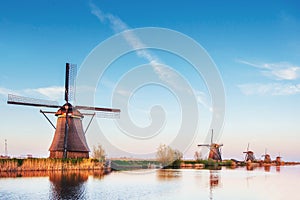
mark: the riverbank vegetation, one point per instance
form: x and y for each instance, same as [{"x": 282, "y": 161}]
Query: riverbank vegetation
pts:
[
  {"x": 49, "y": 164},
  {"x": 168, "y": 157}
]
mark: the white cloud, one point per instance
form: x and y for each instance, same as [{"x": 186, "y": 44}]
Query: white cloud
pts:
[
  {"x": 5, "y": 91},
  {"x": 124, "y": 92},
  {"x": 274, "y": 89},
  {"x": 116, "y": 24},
  {"x": 277, "y": 71},
  {"x": 52, "y": 92},
  {"x": 202, "y": 99}
]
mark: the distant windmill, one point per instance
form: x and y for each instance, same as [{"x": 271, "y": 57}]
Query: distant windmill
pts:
[
  {"x": 278, "y": 160},
  {"x": 214, "y": 149},
  {"x": 249, "y": 155},
  {"x": 69, "y": 139},
  {"x": 267, "y": 157}
]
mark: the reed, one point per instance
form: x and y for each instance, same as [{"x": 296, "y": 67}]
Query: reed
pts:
[{"x": 48, "y": 164}]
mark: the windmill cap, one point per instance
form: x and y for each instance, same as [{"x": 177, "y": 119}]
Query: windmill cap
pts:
[{"x": 71, "y": 110}]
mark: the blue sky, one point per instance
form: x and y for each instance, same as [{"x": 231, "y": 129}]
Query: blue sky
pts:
[{"x": 256, "y": 47}]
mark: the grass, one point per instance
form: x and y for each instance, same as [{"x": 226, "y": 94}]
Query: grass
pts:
[{"x": 209, "y": 163}]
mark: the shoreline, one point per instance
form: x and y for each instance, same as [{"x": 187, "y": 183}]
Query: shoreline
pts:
[{"x": 14, "y": 165}]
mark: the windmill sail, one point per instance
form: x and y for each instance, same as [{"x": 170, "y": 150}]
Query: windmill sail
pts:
[
  {"x": 71, "y": 73},
  {"x": 26, "y": 101}
]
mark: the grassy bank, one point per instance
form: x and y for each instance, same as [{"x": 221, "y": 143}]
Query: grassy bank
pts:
[
  {"x": 209, "y": 162},
  {"x": 48, "y": 164},
  {"x": 132, "y": 164},
  {"x": 144, "y": 164}
]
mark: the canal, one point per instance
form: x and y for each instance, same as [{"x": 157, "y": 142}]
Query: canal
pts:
[{"x": 260, "y": 183}]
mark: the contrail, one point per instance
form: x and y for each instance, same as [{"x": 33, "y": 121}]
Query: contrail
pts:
[
  {"x": 118, "y": 26},
  {"x": 164, "y": 73}
]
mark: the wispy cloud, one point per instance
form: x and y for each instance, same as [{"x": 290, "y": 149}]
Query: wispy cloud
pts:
[
  {"x": 273, "y": 89},
  {"x": 164, "y": 73},
  {"x": 277, "y": 71},
  {"x": 283, "y": 74},
  {"x": 117, "y": 25},
  {"x": 6, "y": 91},
  {"x": 202, "y": 99},
  {"x": 123, "y": 92},
  {"x": 52, "y": 92}
]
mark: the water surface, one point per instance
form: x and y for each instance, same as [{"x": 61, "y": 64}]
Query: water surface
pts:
[{"x": 261, "y": 183}]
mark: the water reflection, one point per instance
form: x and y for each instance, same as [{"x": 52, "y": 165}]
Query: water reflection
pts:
[
  {"x": 164, "y": 184},
  {"x": 214, "y": 179},
  {"x": 168, "y": 174},
  {"x": 68, "y": 185},
  {"x": 267, "y": 168},
  {"x": 16, "y": 174},
  {"x": 277, "y": 168}
]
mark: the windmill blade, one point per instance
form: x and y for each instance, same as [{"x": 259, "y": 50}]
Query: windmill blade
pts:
[
  {"x": 67, "y": 83},
  {"x": 71, "y": 73},
  {"x": 108, "y": 115},
  {"x": 102, "y": 112},
  {"x": 19, "y": 100},
  {"x": 98, "y": 109},
  {"x": 212, "y": 136},
  {"x": 203, "y": 145}
]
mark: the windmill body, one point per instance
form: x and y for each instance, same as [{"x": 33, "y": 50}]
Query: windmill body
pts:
[
  {"x": 76, "y": 143},
  {"x": 215, "y": 152},
  {"x": 267, "y": 157},
  {"x": 278, "y": 160},
  {"x": 249, "y": 155},
  {"x": 69, "y": 139}
]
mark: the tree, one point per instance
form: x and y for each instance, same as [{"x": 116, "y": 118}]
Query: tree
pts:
[
  {"x": 198, "y": 156},
  {"x": 177, "y": 156},
  {"x": 168, "y": 156},
  {"x": 99, "y": 153}
]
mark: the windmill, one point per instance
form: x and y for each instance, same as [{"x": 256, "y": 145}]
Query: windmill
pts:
[
  {"x": 278, "y": 160},
  {"x": 214, "y": 148},
  {"x": 249, "y": 155},
  {"x": 69, "y": 139},
  {"x": 267, "y": 157}
]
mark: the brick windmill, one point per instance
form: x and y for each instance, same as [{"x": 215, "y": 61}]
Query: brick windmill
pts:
[
  {"x": 267, "y": 157},
  {"x": 249, "y": 155},
  {"x": 69, "y": 139},
  {"x": 214, "y": 149}
]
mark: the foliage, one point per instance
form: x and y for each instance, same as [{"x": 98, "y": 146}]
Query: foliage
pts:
[
  {"x": 168, "y": 157},
  {"x": 197, "y": 156},
  {"x": 99, "y": 153},
  {"x": 20, "y": 162}
]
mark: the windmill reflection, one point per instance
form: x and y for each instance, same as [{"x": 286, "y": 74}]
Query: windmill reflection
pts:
[
  {"x": 68, "y": 185},
  {"x": 277, "y": 168},
  {"x": 214, "y": 180},
  {"x": 267, "y": 168}
]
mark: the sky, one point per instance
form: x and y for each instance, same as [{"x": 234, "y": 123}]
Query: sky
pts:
[{"x": 255, "y": 46}]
